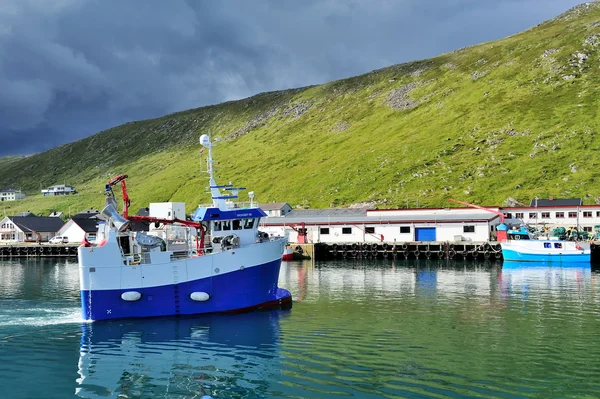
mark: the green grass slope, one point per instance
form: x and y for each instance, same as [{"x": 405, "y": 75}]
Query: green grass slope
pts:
[{"x": 515, "y": 118}]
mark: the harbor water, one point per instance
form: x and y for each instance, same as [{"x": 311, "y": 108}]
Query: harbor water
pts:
[{"x": 357, "y": 329}]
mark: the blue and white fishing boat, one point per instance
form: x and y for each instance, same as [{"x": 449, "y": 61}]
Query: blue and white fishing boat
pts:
[
  {"x": 218, "y": 261},
  {"x": 521, "y": 246}
]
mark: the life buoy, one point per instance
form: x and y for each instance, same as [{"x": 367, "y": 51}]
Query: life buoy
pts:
[{"x": 404, "y": 246}]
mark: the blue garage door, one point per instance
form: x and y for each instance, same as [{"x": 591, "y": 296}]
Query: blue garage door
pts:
[{"x": 425, "y": 233}]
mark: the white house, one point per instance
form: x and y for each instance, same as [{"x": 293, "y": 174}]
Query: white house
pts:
[
  {"x": 276, "y": 209},
  {"x": 60, "y": 189},
  {"x": 29, "y": 228},
  {"x": 79, "y": 228},
  {"x": 9, "y": 194}
]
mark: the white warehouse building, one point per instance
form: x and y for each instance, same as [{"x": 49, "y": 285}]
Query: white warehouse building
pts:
[{"x": 372, "y": 226}]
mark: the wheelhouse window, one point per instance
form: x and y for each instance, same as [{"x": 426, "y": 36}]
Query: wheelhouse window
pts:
[
  {"x": 237, "y": 224},
  {"x": 572, "y": 214},
  {"x": 545, "y": 215},
  {"x": 508, "y": 215},
  {"x": 532, "y": 215},
  {"x": 559, "y": 215},
  {"x": 598, "y": 214},
  {"x": 558, "y": 245},
  {"x": 324, "y": 230},
  {"x": 519, "y": 215},
  {"x": 248, "y": 223},
  {"x": 226, "y": 225},
  {"x": 217, "y": 226},
  {"x": 468, "y": 229},
  {"x": 547, "y": 245},
  {"x": 404, "y": 229},
  {"x": 346, "y": 230},
  {"x": 587, "y": 214},
  {"x": 370, "y": 230}
]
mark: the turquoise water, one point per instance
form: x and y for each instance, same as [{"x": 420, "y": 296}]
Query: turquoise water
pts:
[{"x": 362, "y": 329}]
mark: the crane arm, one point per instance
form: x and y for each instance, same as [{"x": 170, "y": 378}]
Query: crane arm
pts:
[
  {"x": 501, "y": 214},
  {"x": 126, "y": 201}
]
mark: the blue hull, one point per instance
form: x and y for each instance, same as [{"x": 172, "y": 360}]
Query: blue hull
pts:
[
  {"x": 514, "y": 256},
  {"x": 247, "y": 289}
]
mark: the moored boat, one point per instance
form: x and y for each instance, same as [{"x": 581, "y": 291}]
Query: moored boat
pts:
[
  {"x": 521, "y": 246},
  {"x": 288, "y": 254},
  {"x": 216, "y": 262}
]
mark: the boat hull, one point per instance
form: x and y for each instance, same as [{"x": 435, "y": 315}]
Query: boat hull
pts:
[
  {"x": 242, "y": 290},
  {"x": 546, "y": 251},
  {"x": 288, "y": 254}
]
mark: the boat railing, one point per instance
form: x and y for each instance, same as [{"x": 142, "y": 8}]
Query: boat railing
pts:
[{"x": 233, "y": 205}]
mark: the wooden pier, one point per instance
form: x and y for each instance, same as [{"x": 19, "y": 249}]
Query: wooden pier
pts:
[
  {"x": 409, "y": 250},
  {"x": 45, "y": 250}
]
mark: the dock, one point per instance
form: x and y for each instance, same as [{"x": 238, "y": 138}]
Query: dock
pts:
[
  {"x": 409, "y": 250},
  {"x": 28, "y": 250}
]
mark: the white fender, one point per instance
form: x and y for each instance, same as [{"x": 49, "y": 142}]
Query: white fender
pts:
[
  {"x": 199, "y": 296},
  {"x": 131, "y": 296}
]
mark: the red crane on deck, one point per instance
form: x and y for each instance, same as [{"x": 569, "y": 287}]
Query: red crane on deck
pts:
[{"x": 127, "y": 202}]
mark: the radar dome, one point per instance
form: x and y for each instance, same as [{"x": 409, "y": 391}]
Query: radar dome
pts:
[{"x": 205, "y": 140}]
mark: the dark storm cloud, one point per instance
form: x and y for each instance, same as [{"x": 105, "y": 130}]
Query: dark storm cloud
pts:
[{"x": 70, "y": 68}]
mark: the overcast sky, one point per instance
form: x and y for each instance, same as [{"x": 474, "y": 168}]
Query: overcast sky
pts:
[{"x": 70, "y": 68}]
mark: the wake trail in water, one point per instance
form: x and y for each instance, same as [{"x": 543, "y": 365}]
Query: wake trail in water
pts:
[{"x": 38, "y": 317}]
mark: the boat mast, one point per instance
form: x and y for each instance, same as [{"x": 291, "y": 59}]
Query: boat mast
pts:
[{"x": 217, "y": 197}]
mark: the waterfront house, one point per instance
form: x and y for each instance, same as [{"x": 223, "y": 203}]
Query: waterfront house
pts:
[
  {"x": 276, "y": 209},
  {"x": 60, "y": 189},
  {"x": 29, "y": 228},
  {"x": 8, "y": 194},
  {"x": 79, "y": 227}
]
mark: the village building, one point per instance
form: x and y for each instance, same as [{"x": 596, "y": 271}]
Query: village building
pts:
[
  {"x": 276, "y": 209},
  {"x": 83, "y": 226},
  {"x": 551, "y": 213},
  {"x": 60, "y": 189},
  {"x": 9, "y": 194},
  {"x": 29, "y": 228}
]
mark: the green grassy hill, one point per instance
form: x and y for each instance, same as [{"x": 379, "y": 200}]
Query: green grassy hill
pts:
[{"x": 515, "y": 118}]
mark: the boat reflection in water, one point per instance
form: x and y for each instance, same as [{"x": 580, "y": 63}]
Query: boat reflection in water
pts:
[
  {"x": 204, "y": 356},
  {"x": 552, "y": 280}
]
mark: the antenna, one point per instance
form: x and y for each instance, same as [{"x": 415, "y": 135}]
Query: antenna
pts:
[{"x": 217, "y": 198}]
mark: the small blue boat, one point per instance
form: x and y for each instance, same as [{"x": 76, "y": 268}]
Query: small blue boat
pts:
[
  {"x": 521, "y": 246},
  {"x": 219, "y": 261}
]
